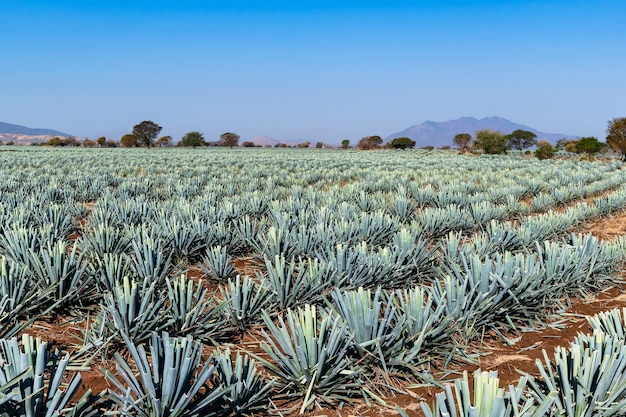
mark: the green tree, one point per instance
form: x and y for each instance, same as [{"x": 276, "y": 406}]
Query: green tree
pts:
[
  {"x": 129, "y": 140},
  {"x": 544, "y": 150},
  {"x": 370, "y": 142},
  {"x": 88, "y": 143},
  {"x": 102, "y": 141},
  {"x": 589, "y": 145},
  {"x": 248, "y": 144},
  {"x": 490, "y": 141},
  {"x": 521, "y": 139},
  {"x": 345, "y": 144},
  {"x": 304, "y": 144},
  {"x": 146, "y": 132},
  {"x": 463, "y": 141},
  {"x": 192, "y": 139},
  {"x": 616, "y": 135},
  {"x": 402, "y": 143},
  {"x": 319, "y": 145},
  {"x": 229, "y": 139}
]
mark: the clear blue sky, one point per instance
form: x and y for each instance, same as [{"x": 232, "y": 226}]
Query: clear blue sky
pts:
[{"x": 324, "y": 70}]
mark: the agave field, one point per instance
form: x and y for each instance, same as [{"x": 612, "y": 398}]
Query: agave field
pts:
[{"x": 216, "y": 282}]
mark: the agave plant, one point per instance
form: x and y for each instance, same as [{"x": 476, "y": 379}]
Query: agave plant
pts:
[
  {"x": 589, "y": 377},
  {"x": 217, "y": 264},
  {"x": 489, "y": 399},
  {"x": 62, "y": 268},
  {"x": 375, "y": 325},
  {"x": 244, "y": 301},
  {"x": 32, "y": 381},
  {"x": 194, "y": 312},
  {"x": 173, "y": 381},
  {"x": 309, "y": 356},
  {"x": 249, "y": 392},
  {"x": 134, "y": 310},
  {"x": 612, "y": 323}
]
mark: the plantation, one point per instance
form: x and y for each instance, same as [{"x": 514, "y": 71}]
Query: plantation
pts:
[{"x": 215, "y": 282}]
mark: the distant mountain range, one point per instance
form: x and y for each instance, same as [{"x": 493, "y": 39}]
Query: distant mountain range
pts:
[
  {"x": 22, "y": 130},
  {"x": 22, "y": 135},
  {"x": 440, "y": 134}
]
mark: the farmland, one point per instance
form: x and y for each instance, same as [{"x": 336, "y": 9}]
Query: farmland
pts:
[{"x": 237, "y": 281}]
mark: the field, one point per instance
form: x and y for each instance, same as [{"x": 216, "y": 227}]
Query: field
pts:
[{"x": 303, "y": 281}]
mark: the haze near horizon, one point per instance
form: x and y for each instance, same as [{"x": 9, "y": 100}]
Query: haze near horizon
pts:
[{"x": 322, "y": 71}]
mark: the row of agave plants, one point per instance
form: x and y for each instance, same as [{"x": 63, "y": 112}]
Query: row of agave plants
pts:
[
  {"x": 587, "y": 378},
  {"x": 351, "y": 295}
]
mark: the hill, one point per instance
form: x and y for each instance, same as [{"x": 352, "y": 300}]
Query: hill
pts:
[
  {"x": 440, "y": 134},
  {"x": 8, "y": 128}
]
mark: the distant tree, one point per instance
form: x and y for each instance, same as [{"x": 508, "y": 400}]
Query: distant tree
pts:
[
  {"x": 589, "y": 145},
  {"x": 56, "y": 141},
  {"x": 616, "y": 135},
  {"x": 112, "y": 144},
  {"x": 304, "y": 144},
  {"x": 248, "y": 144},
  {"x": 345, "y": 144},
  {"x": 370, "y": 142},
  {"x": 490, "y": 141},
  {"x": 10, "y": 143},
  {"x": 402, "y": 143},
  {"x": 129, "y": 140},
  {"x": 562, "y": 143},
  {"x": 319, "y": 145},
  {"x": 88, "y": 143},
  {"x": 192, "y": 139},
  {"x": 102, "y": 141},
  {"x": 463, "y": 141},
  {"x": 544, "y": 150},
  {"x": 229, "y": 139},
  {"x": 146, "y": 132},
  {"x": 164, "y": 142},
  {"x": 280, "y": 145},
  {"x": 521, "y": 139}
]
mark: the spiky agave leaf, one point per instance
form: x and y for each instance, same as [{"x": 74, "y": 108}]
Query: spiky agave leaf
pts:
[
  {"x": 250, "y": 391},
  {"x": 33, "y": 381},
  {"x": 489, "y": 400},
  {"x": 589, "y": 377},
  {"x": 309, "y": 356},
  {"x": 194, "y": 312},
  {"x": 172, "y": 381},
  {"x": 244, "y": 301}
]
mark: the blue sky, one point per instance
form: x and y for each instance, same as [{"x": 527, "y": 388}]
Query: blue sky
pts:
[{"x": 322, "y": 71}]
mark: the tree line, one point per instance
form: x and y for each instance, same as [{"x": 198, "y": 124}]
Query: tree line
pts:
[{"x": 487, "y": 141}]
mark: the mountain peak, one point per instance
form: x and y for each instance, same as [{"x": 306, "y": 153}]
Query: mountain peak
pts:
[{"x": 438, "y": 134}]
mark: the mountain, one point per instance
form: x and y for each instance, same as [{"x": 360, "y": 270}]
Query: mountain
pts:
[
  {"x": 27, "y": 131},
  {"x": 440, "y": 134},
  {"x": 269, "y": 141}
]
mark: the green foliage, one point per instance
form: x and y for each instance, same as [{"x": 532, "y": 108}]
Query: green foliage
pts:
[
  {"x": 146, "y": 132},
  {"x": 402, "y": 143},
  {"x": 521, "y": 139},
  {"x": 544, "y": 150},
  {"x": 192, "y": 139},
  {"x": 589, "y": 145},
  {"x": 463, "y": 141},
  {"x": 490, "y": 141},
  {"x": 345, "y": 144}
]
